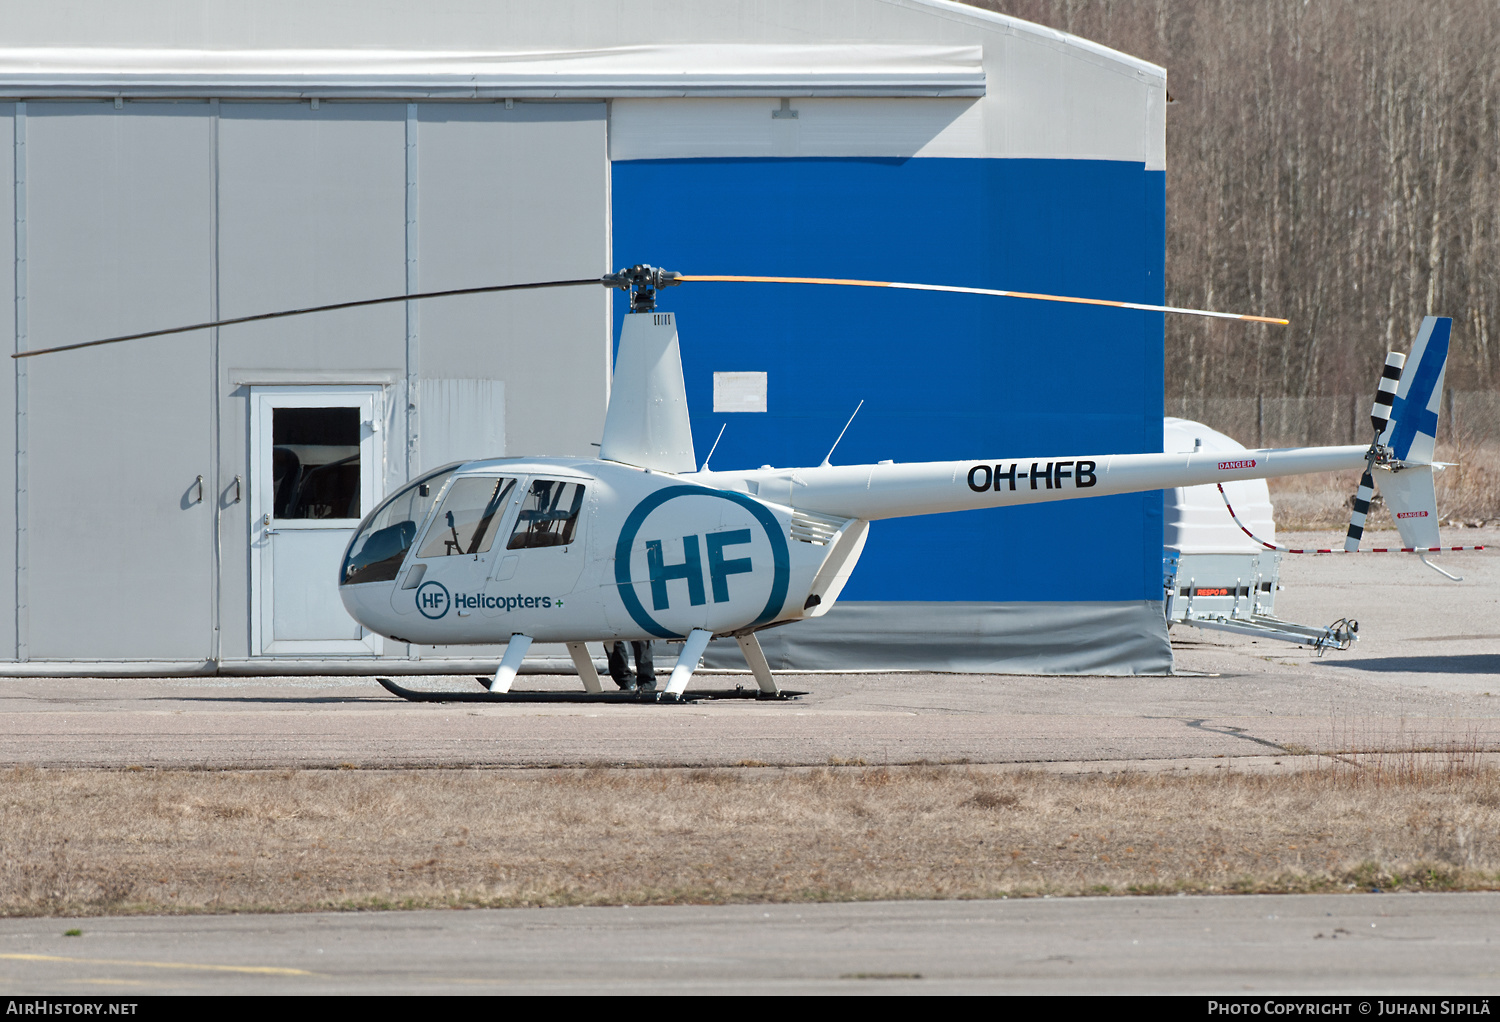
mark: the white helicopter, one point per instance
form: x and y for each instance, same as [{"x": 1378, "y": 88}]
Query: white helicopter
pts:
[{"x": 641, "y": 543}]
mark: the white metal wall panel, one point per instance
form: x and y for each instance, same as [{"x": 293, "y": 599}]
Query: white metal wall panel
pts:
[
  {"x": 118, "y": 220},
  {"x": 8, "y": 647},
  {"x": 311, "y": 211},
  {"x": 509, "y": 196},
  {"x": 1050, "y": 104},
  {"x": 664, "y": 129},
  {"x": 462, "y": 420}
]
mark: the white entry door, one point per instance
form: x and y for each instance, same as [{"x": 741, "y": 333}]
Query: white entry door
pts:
[{"x": 316, "y": 465}]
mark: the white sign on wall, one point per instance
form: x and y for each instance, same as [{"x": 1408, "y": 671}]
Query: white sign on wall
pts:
[{"x": 739, "y": 392}]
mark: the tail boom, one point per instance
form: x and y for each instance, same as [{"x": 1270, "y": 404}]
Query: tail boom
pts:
[{"x": 874, "y": 492}]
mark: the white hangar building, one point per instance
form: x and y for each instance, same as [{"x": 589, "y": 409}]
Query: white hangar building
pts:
[{"x": 181, "y": 503}]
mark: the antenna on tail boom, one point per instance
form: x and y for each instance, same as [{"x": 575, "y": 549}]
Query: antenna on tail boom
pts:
[
  {"x": 842, "y": 432},
  {"x": 715, "y": 447}
]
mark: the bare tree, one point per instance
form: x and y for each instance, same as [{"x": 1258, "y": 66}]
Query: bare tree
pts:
[{"x": 1333, "y": 161}]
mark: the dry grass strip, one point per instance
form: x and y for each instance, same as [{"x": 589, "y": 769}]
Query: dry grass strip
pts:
[
  {"x": 90, "y": 842},
  {"x": 1468, "y": 494}
]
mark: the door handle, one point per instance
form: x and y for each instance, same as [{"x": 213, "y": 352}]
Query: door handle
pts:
[
  {"x": 266, "y": 521},
  {"x": 199, "y": 484}
]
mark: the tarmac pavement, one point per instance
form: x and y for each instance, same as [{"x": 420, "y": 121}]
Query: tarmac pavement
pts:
[
  {"x": 1425, "y": 674},
  {"x": 1360, "y": 945}
]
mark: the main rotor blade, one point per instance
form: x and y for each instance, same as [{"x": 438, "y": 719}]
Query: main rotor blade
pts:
[
  {"x": 987, "y": 291},
  {"x": 673, "y": 279},
  {"x": 316, "y": 308}
]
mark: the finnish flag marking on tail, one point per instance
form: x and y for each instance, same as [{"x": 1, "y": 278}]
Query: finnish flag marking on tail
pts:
[
  {"x": 1412, "y": 433},
  {"x": 1412, "y": 438}
]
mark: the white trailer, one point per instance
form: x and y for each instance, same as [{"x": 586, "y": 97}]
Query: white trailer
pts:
[{"x": 1215, "y": 576}]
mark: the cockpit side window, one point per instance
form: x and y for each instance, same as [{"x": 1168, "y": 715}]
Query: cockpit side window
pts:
[
  {"x": 469, "y": 517},
  {"x": 380, "y": 545},
  {"x": 549, "y": 517}
]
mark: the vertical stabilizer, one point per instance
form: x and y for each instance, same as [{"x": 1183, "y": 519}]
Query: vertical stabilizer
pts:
[
  {"x": 1412, "y": 433},
  {"x": 647, "y": 423},
  {"x": 1410, "y": 496}
]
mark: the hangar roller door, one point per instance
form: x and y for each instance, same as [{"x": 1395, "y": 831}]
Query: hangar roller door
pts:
[
  {"x": 150, "y": 214},
  {"x": 120, "y": 528}
]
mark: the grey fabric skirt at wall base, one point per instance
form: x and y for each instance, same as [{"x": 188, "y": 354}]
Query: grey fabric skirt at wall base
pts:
[{"x": 1109, "y": 638}]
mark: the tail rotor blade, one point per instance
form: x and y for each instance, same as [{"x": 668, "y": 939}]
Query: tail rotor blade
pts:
[
  {"x": 1380, "y": 417},
  {"x": 1362, "y": 498},
  {"x": 1385, "y": 393}
]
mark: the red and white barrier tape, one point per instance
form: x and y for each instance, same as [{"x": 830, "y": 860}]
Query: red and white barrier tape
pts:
[{"x": 1372, "y": 550}]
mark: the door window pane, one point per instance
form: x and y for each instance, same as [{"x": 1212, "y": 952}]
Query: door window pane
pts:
[
  {"x": 468, "y": 518},
  {"x": 549, "y": 517},
  {"x": 315, "y": 462}
]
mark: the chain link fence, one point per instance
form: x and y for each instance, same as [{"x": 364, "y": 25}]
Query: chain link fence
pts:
[{"x": 1468, "y": 418}]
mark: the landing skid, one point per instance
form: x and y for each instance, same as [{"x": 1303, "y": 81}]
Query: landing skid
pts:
[
  {"x": 674, "y": 691},
  {"x": 659, "y": 696}
]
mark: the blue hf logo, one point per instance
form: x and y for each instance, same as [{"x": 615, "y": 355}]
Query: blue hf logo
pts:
[
  {"x": 433, "y": 600},
  {"x": 717, "y": 547},
  {"x": 691, "y": 568}
]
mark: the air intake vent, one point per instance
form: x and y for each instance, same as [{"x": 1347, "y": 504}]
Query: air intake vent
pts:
[{"x": 811, "y": 527}]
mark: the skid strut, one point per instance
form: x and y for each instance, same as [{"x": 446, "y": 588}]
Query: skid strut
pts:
[
  {"x": 515, "y": 652},
  {"x": 498, "y": 688}
]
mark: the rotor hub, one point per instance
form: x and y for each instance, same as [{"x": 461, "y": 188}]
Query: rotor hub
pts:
[{"x": 641, "y": 282}]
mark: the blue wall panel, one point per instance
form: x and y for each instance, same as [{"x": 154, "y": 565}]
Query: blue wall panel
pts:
[{"x": 942, "y": 376}]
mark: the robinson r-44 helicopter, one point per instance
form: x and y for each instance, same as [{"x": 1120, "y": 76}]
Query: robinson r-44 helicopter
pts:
[{"x": 640, "y": 543}]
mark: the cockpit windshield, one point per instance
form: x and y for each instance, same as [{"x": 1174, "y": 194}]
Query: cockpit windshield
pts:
[{"x": 380, "y": 545}]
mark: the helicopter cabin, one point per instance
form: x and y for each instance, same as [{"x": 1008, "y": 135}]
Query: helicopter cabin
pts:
[{"x": 182, "y": 503}]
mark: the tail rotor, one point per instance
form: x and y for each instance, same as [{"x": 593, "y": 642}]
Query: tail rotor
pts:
[
  {"x": 1362, "y": 498},
  {"x": 1385, "y": 393},
  {"x": 1380, "y": 418}
]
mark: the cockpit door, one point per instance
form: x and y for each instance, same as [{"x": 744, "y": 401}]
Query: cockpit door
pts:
[
  {"x": 316, "y": 457},
  {"x": 544, "y": 553},
  {"x": 454, "y": 556}
]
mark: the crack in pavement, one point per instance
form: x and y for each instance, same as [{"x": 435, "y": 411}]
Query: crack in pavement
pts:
[{"x": 1228, "y": 731}]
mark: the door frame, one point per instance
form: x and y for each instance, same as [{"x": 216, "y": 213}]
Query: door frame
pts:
[{"x": 370, "y": 400}]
